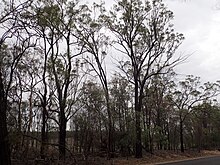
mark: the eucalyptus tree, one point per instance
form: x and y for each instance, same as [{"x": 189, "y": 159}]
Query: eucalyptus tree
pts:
[
  {"x": 186, "y": 94},
  {"x": 31, "y": 20},
  {"x": 38, "y": 24},
  {"x": 55, "y": 23},
  {"x": 92, "y": 36},
  {"x": 144, "y": 34},
  {"x": 4, "y": 151},
  {"x": 42, "y": 20},
  {"x": 13, "y": 45}
]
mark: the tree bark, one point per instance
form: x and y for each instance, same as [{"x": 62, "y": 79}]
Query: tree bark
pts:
[
  {"x": 138, "y": 148},
  {"x": 62, "y": 134},
  {"x": 44, "y": 105},
  {"x": 43, "y": 133},
  {"x": 110, "y": 127},
  {"x": 181, "y": 136},
  {"x": 4, "y": 140}
]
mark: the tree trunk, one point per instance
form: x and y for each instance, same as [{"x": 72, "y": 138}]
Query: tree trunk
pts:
[
  {"x": 146, "y": 144},
  {"x": 110, "y": 125},
  {"x": 138, "y": 147},
  {"x": 110, "y": 140},
  {"x": 168, "y": 137},
  {"x": 76, "y": 139},
  {"x": 150, "y": 133},
  {"x": 181, "y": 136},
  {"x": 62, "y": 135},
  {"x": 43, "y": 133},
  {"x": 28, "y": 142},
  {"x": 4, "y": 140},
  {"x": 44, "y": 137}
]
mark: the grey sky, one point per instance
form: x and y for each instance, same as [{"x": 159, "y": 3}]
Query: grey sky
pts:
[{"x": 199, "y": 21}]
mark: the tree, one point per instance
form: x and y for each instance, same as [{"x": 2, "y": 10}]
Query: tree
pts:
[
  {"x": 11, "y": 29},
  {"x": 21, "y": 99},
  {"x": 205, "y": 118},
  {"x": 121, "y": 94},
  {"x": 146, "y": 37},
  {"x": 95, "y": 43},
  {"x": 61, "y": 51},
  {"x": 188, "y": 93},
  {"x": 156, "y": 110},
  {"x": 93, "y": 115}
]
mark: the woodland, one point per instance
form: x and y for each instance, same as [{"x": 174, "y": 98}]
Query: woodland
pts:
[{"x": 79, "y": 80}]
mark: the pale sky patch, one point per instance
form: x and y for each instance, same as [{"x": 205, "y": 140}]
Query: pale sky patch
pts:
[{"x": 199, "y": 21}]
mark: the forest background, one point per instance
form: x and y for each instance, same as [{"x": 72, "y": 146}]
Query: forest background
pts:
[{"x": 79, "y": 81}]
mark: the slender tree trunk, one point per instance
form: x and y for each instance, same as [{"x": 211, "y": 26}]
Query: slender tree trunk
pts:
[
  {"x": 20, "y": 138},
  {"x": 199, "y": 137},
  {"x": 76, "y": 139},
  {"x": 4, "y": 140},
  {"x": 159, "y": 124},
  {"x": 110, "y": 128},
  {"x": 181, "y": 136},
  {"x": 44, "y": 103},
  {"x": 175, "y": 143},
  {"x": 28, "y": 142},
  {"x": 62, "y": 134},
  {"x": 150, "y": 140},
  {"x": 145, "y": 130},
  {"x": 138, "y": 148},
  {"x": 168, "y": 137},
  {"x": 43, "y": 133},
  {"x": 138, "y": 153}
]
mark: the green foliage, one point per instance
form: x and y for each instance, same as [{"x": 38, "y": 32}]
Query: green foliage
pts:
[
  {"x": 49, "y": 15},
  {"x": 57, "y": 48}
]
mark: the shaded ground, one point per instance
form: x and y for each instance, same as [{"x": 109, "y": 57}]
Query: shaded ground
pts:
[{"x": 148, "y": 159}]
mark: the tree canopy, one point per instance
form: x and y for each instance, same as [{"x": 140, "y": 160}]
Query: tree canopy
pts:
[{"x": 60, "y": 99}]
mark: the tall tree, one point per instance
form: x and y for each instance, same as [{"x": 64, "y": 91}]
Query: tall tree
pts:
[
  {"x": 11, "y": 28},
  {"x": 95, "y": 43},
  {"x": 61, "y": 51},
  {"x": 146, "y": 37}
]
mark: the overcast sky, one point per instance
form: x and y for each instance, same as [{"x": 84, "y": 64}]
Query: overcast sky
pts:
[{"x": 199, "y": 21}]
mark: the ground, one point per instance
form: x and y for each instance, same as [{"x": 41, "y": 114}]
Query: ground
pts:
[
  {"x": 165, "y": 156},
  {"x": 157, "y": 157},
  {"x": 148, "y": 159}
]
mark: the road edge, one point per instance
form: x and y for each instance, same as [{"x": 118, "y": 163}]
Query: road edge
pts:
[{"x": 182, "y": 160}]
